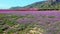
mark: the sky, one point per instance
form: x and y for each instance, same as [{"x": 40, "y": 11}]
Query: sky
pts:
[{"x": 5, "y": 4}]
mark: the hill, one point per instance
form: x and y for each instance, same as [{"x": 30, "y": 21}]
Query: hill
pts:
[
  {"x": 45, "y": 5},
  {"x": 42, "y": 5}
]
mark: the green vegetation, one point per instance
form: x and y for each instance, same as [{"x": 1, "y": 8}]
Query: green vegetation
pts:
[
  {"x": 9, "y": 25},
  {"x": 51, "y": 17}
]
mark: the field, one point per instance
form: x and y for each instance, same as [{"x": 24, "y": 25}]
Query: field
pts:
[{"x": 29, "y": 22}]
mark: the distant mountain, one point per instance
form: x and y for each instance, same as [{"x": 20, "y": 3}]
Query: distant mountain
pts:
[
  {"x": 17, "y": 7},
  {"x": 55, "y": 4}
]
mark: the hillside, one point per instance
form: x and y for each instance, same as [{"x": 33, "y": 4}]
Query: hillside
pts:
[
  {"x": 42, "y": 5},
  {"x": 45, "y": 5}
]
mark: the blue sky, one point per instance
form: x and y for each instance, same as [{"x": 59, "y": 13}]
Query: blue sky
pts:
[{"x": 4, "y": 4}]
